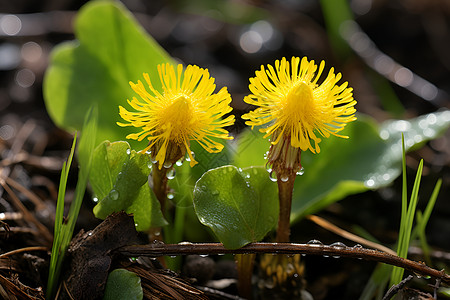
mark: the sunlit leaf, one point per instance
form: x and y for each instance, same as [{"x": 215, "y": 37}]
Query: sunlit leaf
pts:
[
  {"x": 369, "y": 159},
  {"x": 111, "y": 50},
  {"x": 119, "y": 179}
]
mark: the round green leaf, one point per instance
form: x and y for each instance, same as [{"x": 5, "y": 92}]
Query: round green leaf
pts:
[
  {"x": 240, "y": 206},
  {"x": 123, "y": 284}
]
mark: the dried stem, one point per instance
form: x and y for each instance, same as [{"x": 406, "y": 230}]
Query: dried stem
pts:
[{"x": 161, "y": 249}]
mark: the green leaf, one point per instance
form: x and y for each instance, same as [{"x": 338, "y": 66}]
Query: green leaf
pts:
[
  {"x": 112, "y": 49},
  {"x": 369, "y": 159},
  {"x": 240, "y": 206},
  {"x": 119, "y": 177},
  {"x": 123, "y": 284}
]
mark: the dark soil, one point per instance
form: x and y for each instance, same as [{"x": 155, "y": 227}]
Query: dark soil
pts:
[{"x": 414, "y": 33}]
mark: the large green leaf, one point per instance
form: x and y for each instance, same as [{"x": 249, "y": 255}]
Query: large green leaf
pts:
[
  {"x": 240, "y": 206},
  {"x": 369, "y": 159},
  {"x": 112, "y": 49},
  {"x": 119, "y": 178}
]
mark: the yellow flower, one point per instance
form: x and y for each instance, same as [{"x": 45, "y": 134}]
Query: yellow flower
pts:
[
  {"x": 186, "y": 110},
  {"x": 294, "y": 107}
]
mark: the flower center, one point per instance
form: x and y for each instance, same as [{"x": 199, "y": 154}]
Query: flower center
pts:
[
  {"x": 299, "y": 102},
  {"x": 178, "y": 117}
]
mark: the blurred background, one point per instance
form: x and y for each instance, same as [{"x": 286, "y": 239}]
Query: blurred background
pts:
[{"x": 395, "y": 54}]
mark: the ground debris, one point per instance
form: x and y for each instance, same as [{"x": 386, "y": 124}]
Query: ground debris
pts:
[{"x": 90, "y": 256}]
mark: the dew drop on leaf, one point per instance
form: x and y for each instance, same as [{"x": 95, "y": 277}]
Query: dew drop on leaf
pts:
[{"x": 114, "y": 195}]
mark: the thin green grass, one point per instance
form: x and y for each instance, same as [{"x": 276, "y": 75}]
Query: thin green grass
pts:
[
  {"x": 377, "y": 283},
  {"x": 407, "y": 217},
  {"x": 64, "y": 228}
]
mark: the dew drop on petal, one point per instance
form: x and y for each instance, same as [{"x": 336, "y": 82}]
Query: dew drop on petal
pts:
[
  {"x": 170, "y": 196},
  {"x": 128, "y": 151},
  {"x": 179, "y": 163},
  {"x": 167, "y": 165}
]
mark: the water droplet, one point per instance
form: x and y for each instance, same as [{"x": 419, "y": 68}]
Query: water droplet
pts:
[
  {"x": 171, "y": 174},
  {"x": 326, "y": 256},
  {"x": 358, "y": 246},
  {"x": 184, "y": 243},
  {"x": 170, "y": 196},
  {"x": 150, "y": 165},
  {"x": 188, "y": 158},
  {"x": 268, "y": 168},
  {"x": 338, "y": 245},
  {"x": 315, "y": 243},
  {"x": 90, "y": 233},
  {"x": 203, "y": 255},
  {"x": 128, "y": 151},
  {"x": 300, "y": 172},
  {"x": 273, "y": 176},
  {"x": 336, "y": 256},
  {"x": 95, "y": 199},
  {"x": 114, "y": 195},
  {"x": 284, "y": 178},
  {"x": 153, "y": 159},
  {"x": 167, "y": 165},
  {"x": 266, "y": 155},
  {"x": 247, "y": 176},
  {"x": 173, "y": 256},
  {"x": 136, "y": 224},
  {"x": 179, "y": 163},
  {"x": 153, "y": 258}
]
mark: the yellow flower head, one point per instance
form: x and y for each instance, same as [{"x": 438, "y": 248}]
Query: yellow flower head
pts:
[
  {"x": 186, "y": 110},
  {"x": 293, "y": 106}
]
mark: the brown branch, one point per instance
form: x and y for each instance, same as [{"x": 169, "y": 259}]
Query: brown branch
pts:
[
  {"x": 27, "y": 249},
  {"x": 348, "y": 235},
  {"x": 334, "y": 250}
]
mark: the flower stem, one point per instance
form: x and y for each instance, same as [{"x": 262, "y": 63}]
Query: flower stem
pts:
[
  {"x": 160, "y": 185},
  {"x": 244, "y": 263},
  {"x": 285, "y": 189}
]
